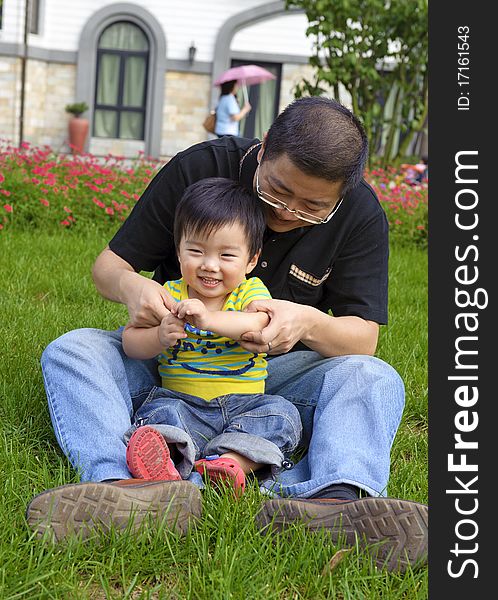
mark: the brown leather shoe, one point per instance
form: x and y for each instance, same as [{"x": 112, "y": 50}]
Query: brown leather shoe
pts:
[
  {"x": 84, "y": 508},
  {"x": 393, "y": 531}
]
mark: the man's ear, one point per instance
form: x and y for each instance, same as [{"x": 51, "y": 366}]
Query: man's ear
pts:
[
  {"x": 252, "y": 263},
  {"x": 261, "y": 151}
]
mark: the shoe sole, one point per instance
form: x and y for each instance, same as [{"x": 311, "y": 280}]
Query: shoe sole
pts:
[
  {"x": 395, "y": 532},
  {"x": 148, "y": 456},
  {"x": 85, "y": 508}
]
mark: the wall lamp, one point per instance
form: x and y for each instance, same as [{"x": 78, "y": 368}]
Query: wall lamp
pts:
[{"x": 191, "y": 53}]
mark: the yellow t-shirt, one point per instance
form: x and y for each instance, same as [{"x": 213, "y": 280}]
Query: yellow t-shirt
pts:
[{"x": 207, "y": 365}]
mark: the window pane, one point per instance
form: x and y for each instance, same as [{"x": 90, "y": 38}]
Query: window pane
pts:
[
  {"x": 131, "y": 125},
  {"x": 124, "y": 36},
  {"x": 108, "y": 81},
  {"x": 106, "y": 124},
  {"x": 266, "y": 110},
  {"x": 134, "y": 81}
]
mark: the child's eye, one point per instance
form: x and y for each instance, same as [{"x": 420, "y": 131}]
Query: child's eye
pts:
[
  {"x": 194, "y": 251},
  {"x": 229, "y": 255}
]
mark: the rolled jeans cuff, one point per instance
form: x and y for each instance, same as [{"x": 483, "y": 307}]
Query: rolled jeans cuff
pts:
[
  {"x": 180, "y": 439},
  {"x": 250, "y": 446}
]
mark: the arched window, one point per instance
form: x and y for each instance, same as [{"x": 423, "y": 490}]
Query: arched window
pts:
[{"x": 121, "y": 85}]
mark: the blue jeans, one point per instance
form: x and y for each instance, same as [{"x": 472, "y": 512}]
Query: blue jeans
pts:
[
  {"x": 266, "y": 429},
  {"x": 352, "y": 404}
]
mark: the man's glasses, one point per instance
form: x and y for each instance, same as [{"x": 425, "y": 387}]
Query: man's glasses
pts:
[{"x": 300, "y": 214}]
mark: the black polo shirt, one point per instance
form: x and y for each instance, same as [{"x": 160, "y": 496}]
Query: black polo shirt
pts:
[{"x": 340, "y": 266}]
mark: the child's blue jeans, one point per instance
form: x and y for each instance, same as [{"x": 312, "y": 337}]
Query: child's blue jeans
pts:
[{"x": 263, "y": 428}]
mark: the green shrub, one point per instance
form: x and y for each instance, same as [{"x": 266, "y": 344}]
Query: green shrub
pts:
[{"x": 77, "y": 109}]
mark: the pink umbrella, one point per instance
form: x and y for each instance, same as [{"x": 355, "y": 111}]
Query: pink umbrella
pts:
[{"x": 246, "y": 74}]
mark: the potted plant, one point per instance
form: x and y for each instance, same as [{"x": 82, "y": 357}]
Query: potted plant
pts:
[{"x": 77, "y": 126}]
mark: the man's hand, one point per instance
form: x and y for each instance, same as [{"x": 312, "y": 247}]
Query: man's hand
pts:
[
  {"x": 323, "y": 333},
  {"x": 193, "y": 311},
  {"x": 286, "y": 327},
  {"x": 170, "y": 331},
  {"x": 148, "y": 303},
  {"x": 115, "y": 279}
]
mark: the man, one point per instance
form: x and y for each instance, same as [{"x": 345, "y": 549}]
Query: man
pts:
[{"x": 324, "y": 261}]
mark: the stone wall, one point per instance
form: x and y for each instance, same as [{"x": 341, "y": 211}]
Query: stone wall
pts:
[
  {"x": 116, "y": 147},
  {"x": 50, "y": 86},
  {"x": 10, "y": 74},
  {"x": 187, "y": 97}
]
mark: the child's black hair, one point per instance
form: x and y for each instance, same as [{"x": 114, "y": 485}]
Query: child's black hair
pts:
[{"x": 215, "y": 202}]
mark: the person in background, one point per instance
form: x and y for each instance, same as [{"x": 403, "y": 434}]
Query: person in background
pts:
[
  {"x": 228, "y": 111},
  {"x": 418, "y": 173}
]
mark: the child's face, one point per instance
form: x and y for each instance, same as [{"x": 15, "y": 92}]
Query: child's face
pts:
[{"x": 214, "y": 266}]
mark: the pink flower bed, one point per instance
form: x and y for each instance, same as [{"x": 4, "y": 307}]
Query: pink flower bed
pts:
[
  {"x": 48, "y": 190},
  {"x": 405, "y": 204}
]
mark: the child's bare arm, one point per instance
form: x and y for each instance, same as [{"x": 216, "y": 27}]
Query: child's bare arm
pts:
[
  {"x": 141, "y": 342},
  {"x": 231, "y": 324},
  {"x": 147, "y": 342}
]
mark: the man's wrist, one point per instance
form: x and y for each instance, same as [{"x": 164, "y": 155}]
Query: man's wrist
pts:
[
  {"x": 158, "y": 337},
  {"x": 312, "y": 320},
  {"x": 126, "y": 283}
]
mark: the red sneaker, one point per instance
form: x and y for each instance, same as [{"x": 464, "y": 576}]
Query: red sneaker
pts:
[
  {"x": 148, "y": 457},
  {"x": 224, "y": 469}
]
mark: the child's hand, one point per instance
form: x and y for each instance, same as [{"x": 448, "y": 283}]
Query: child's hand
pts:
[
  {"x": 193, "y": 311},
  {"x": 171, "y": 330}
]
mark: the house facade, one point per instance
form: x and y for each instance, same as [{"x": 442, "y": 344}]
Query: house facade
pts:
[{"x": 146, "y": 70}]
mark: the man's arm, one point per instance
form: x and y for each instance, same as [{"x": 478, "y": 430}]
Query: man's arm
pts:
[
  {"x": 327, "y": 335},
  {"x": 337, "y": 336},
  {"x": 115, "y": 279}
]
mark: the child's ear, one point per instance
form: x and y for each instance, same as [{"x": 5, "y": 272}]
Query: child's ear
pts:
[{"x": 253, "y": 262}]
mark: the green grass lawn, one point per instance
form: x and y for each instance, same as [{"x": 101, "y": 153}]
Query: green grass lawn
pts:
[{"x": 46, "y": 290}]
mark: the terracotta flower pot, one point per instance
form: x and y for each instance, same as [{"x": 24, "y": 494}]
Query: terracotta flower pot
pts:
[{"x": 78, "y": 131}]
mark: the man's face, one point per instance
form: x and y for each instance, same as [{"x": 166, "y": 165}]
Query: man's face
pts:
[{"x": 280, "y": 179}]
